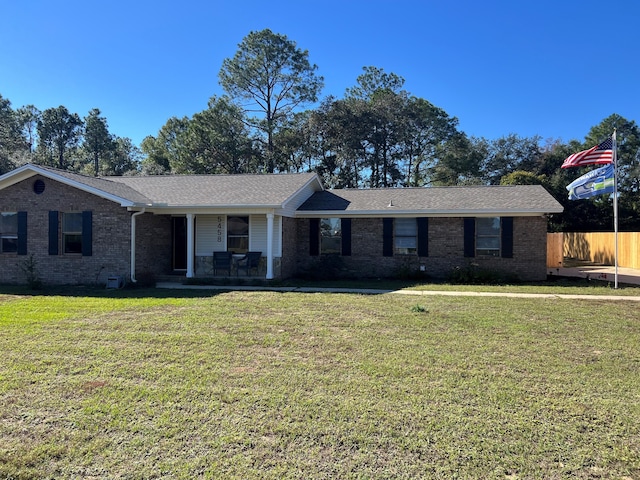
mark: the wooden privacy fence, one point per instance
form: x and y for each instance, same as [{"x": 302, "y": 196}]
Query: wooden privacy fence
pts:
[
  {"x": 596, "y": 247},
  {"x": 555, "y": 255}
]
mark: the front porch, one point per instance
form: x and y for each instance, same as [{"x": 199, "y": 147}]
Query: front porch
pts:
[
  {"x": 204, "y": 268},
  {"x": 195, "y": 238}
]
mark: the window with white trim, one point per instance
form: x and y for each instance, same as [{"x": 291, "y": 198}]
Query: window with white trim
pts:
[
  {"x": 8, "y": 232},
  {"x": 406, "y": 236},
  {"x": 238, "y": 234},
  {"x": 330, "y": 236},
  {"x": 488, "y": 236},
  {"x": 72, "y": 232}
]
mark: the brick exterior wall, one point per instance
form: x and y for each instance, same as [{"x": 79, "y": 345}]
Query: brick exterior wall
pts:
[
  {"x": 446, "y": 251},
  {"x": 111, "y": 232},
  {"x": 153, "y": 245},
  {"x": 111, "y": 252},
  {"x": 289, "y": 264}
]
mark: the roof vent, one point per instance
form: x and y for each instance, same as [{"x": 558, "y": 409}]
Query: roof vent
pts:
[
  {"x": 38, "y": 187},
  {"x": 391, "y": 203}
]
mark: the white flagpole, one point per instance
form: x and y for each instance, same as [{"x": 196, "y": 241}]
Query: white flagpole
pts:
[{"x": 615, "y": 203}]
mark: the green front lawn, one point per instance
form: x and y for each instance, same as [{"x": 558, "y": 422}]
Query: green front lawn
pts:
[
  {"x": 192, "y": 384},
  {"x": 553, "y": 286}
]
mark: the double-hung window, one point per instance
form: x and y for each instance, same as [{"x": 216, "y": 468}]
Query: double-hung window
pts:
[
  {"x": 406, "y": 236},
  {"x": 330, "y": 236},
  {"x": 238, "y": 234},
  {"x": 8, "y": 232},
  {"x": 488, "y": 236},
  {"x": 72, "y": 232}
]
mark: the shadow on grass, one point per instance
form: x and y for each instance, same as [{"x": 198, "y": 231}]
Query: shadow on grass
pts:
[
  {"x": 102, "y": 292},
  {"x": 99, "y": 291},
  {"x": 194, "y": 292}
]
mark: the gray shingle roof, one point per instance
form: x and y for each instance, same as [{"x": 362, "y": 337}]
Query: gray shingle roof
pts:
[
  {"x": 103, "y": 184},
  {"x": 522, "y": 199},
  {"x": 217, "y": 190},
  {"x": 268, "y": 190},
  {"x": 273, "y": 191}
]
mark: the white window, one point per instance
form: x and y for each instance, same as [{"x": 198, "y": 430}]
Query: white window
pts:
[
  {"x": 406, "y": 236},
  {"x": 488, "y": 237},
  {"x": 8, "y": 232},
  {"x": 238, "y": 234},
  {"x": 330, "y": 236},
  {"x": 72, "y": 232}
]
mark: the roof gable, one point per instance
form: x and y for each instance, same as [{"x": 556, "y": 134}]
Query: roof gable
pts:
[
  {"x": 99, "y": 186},
  {"x": 159, "y": 192}
]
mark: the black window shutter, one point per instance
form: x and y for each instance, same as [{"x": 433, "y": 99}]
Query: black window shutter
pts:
[
  {"x": 469, "y": 237},
  {"x": 314, "y": 236},
  {"x": 387, "y": 237},
  {"x": 53, "y": 232},
  {"x": 22, "y": 233},
  {"x": 345, "y": 224},
  {"x": 423, "y": 236},
  {"x": 87, "y": 233},
  {"x": 507, "y": 237}
]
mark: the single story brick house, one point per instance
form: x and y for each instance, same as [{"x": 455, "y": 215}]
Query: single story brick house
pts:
[{"x": 80, "y": 229}]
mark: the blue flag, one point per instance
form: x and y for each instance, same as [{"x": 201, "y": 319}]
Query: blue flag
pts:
[{"x": 596, "y": 182}]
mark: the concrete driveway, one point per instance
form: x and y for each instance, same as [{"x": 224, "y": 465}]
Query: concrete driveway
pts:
[{"x": 627, "y": 276}]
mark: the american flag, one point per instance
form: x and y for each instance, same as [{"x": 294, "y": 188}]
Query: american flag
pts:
[{"x": 600, "y": 154}]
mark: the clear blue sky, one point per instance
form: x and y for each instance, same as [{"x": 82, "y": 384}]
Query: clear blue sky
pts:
[{"x": 552, "y": 68}]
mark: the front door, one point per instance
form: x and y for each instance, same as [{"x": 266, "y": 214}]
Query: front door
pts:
[{"x": 179, "y": 230}]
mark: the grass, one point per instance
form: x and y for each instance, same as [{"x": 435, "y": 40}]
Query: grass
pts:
[
  {"x": 559, "y": 285},
  {"x": 190, "y": 384}
]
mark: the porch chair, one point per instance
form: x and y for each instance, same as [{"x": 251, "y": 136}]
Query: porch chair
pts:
[
  {"x": 249, "y": 262},
  {"x": 222, "y": 261}
]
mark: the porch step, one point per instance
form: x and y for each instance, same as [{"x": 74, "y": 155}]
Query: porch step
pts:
[
  {"x": 171, "y": 278},
  {"x": 178, "y": 278}
]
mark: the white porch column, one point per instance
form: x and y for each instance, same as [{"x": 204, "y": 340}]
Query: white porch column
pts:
[
  {"x": 269, "y": 246},
  {"x": 190, "y": 253},
  {"x": 133, "y": 245}
]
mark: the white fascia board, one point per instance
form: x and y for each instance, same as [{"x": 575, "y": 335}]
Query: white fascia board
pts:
[
  {"x": 318, "y": 188},
  {"x": 420, "y": 213},
  {"x": 16, "y": 176},
  {"x": 209, "y": 210},
  {"x": 28, "y": 171}
]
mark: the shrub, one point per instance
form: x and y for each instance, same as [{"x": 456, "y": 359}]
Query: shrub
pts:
[
  {"x": 30, "y": 269},
  {"x": 407, "y": 272},
  {"x": 326, "y": 267},
  {"x": 472, "y": 274}
]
